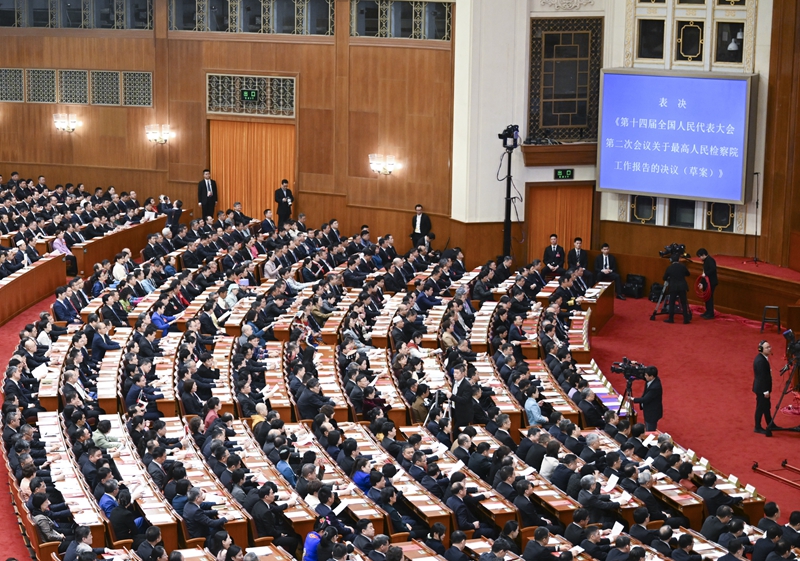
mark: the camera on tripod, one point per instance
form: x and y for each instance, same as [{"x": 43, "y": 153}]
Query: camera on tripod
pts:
[
  {"x": 510, "y": 137},
  {"x": 792, "y": 344},
  {"x": 673, "y": 249},
  {"x": 632, "y": 370}
]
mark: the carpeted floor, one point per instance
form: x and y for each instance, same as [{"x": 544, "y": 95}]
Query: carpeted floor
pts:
[{"x": 707, "y": 373}]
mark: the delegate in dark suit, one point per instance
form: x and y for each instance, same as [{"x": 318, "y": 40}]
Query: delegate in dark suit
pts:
[
  {"x": 580, "y": 258},
  {"x": 554, "y": 259},
  {"x": 676, "y": 275},
  {"x": 605, "y": 269},
  {"x": 207, "y": 194},
  {"x": 762, "y": 384}
]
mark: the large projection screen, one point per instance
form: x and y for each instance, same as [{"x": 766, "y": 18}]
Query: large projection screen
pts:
[{"x": 681, "y": 135}]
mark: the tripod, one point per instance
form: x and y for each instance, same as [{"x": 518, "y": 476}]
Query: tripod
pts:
[
  {"x": 662, "y": 306},
  {"x": 628, "y": 393},
  {"x": 786, "y": 390}
]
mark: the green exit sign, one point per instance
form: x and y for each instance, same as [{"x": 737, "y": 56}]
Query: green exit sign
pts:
[
  {"x": 249, "y": 95},
  {"x": 564, "y": 174}
]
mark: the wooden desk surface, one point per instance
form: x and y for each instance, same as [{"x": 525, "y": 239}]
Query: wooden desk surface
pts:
[
  {"x": 26, "y": 287},
  {"x": 134, "y": 237}
]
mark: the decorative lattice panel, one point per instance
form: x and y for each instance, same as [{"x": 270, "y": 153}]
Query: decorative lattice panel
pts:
[
  {"x": 105, "y": 87},
  {"x": 137, "y": 89},
  {"x": 73, "y": 87},
  {"x": 544, "y": 63},
  {"x": 276, "y": 95},
  {"x": 41, "y": 86},
  {"x": 12, "y": 84}
]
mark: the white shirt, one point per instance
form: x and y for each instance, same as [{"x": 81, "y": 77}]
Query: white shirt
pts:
[
  {"x": 605, "y": 261},
  {"x": 418, "y": 224},
  {"x": 208, "y": 187}
]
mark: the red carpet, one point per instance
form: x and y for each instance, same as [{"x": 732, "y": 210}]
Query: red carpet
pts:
[
  {"x": 707, "y": 374},
  {"x": 767, "y": 269}
]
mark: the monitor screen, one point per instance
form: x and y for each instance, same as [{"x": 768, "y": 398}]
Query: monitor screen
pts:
[{"x": 676, "y": 135}]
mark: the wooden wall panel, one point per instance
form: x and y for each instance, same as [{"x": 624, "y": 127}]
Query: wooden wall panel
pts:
[
  {"x": 353, "y": 98},
  {"x": 562, "y": 208},
  {"x": 647, "y": 240},
  {"x": 781, "y": 175}
]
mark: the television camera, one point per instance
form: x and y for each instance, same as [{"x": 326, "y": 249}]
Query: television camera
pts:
[{"x": 674, "y": 249}]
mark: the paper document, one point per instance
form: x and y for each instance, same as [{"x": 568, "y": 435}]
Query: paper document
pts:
[
  {"x": 612, "y": 482},
  {"x": 615, "y": 531}
]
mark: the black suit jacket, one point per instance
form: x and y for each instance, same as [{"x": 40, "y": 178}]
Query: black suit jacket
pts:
[
  {"x": 284, "y": 208},
  {"x": 676, "y": 275},
  {"x": 710, "y": 270},
  {"x": 598, "y": 263},
  {"x": 462, "y": 400},
  {"x": 556, "y": 257},
  {"x": 762, "y": 380},
  {"x": 202, "y": 192},
  {"x": 651, "y": 401},
  {"x": 573, "y": 261},
  {"x": 424, "y": 224}
]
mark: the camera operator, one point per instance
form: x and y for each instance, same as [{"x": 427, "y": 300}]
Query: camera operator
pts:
[
  {"x": 710, "y": 275},
  {"x": 650, "y": 401},
  {"x": 676, "y": 275}
]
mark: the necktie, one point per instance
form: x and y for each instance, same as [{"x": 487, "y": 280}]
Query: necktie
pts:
[
  {"x": 208, "y": 186},
  {"x": 578, "y": 255},
  {"x": 605, "y": 262}
]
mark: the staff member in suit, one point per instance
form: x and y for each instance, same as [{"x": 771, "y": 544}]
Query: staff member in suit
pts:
[
  {"x": 554, "y": 257},
  {"x": 676, "y": 275},
  {"x": 284, "y": 198},
  {"x": 420, "y": 226},
  {"x": 605, "y": 269},
  {"x": 762, "y": 386},
  {"x": 207, "y": 194},
  {"x": 461, "y": 399},
  {"x": 579, "y": 257},
  {"x": 650, "y": 400},
  {"x": 710, "y": 274}
]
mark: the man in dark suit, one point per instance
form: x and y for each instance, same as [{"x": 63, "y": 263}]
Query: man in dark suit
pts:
[
  {"x": 675, "y": 277},
  {"x": 710, "y": 276},
  {"x": 420, "y": 226},
  {"x": 650, "y": 400},
  {"x": 207, "y": 194},
  {"x": 465, "y": 519},
  {"x": 717, "y": 524},
  {"x": 458, "y": 540},
  {"x": 198, "y": 522},
  {"x": 579, "y": 257},
  {"x": 762, "y": 386},
  {"x": 605, "y": 269},
  {"x": 461, "y": 398},
  {"x": 713, "y": 497},
  {"x": 554, "y": 257},
  {"x": 285, "y": 199},
  {"x": 537, "y": 548}
]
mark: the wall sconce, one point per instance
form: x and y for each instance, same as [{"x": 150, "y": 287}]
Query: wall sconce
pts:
[
  {"x": 384, "y": 165},
  {"x": 66, "y": 122},
  {"x": 158, "y": 133}
]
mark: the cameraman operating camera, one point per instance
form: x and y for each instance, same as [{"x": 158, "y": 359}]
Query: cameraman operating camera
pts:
[
  {"x": 650, "y": 401},
  {"x": 676, "y": 275}
]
